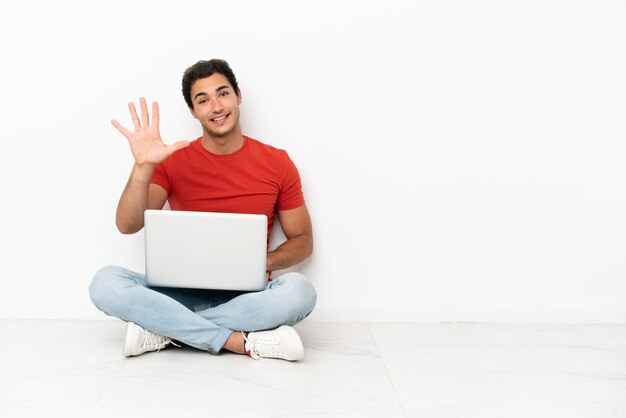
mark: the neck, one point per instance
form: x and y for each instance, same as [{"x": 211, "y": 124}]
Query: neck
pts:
[{"x": 223, "y": 145}]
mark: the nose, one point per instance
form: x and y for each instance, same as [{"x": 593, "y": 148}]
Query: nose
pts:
[{"x": 218, "y": 107}]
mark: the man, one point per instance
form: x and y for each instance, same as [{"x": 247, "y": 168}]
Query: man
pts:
[{"x": 222, "y": 171}]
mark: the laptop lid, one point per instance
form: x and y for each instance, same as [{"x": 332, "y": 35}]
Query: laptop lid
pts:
[{"x": 205, "y": 250}]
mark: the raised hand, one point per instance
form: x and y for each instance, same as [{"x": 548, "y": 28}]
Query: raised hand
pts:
[{"x": 145, "y": 141}]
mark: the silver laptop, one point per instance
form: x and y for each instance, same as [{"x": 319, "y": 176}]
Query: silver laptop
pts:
[{"x": 205, "y": 250}]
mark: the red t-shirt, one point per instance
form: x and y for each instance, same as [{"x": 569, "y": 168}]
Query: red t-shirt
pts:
[{"x": 257, "y": 179}]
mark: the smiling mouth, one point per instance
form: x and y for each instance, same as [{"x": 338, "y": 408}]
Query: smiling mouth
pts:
[{"x": 219, "y": 118}]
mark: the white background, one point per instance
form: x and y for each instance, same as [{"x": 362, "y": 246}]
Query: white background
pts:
[{"x": 462, "y": 160}]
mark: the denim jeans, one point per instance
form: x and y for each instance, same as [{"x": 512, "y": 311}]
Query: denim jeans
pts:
[{"x": 203, "y": 319}]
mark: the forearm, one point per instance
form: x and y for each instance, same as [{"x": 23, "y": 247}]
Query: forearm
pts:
[
  {"x": 290, "y": 253},
  {"x": 134, "y": 200}
]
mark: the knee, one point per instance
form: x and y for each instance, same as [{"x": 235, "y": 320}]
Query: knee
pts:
[
  {"x": 302, "y": 294},
  {"x": 101, "y": 289}
]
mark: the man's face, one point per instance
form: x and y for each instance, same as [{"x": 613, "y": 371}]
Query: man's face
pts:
[{"x": 215, "y": 105}]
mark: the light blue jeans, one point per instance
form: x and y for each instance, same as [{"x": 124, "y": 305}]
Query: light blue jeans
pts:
[{"x": 203, "y": 319}]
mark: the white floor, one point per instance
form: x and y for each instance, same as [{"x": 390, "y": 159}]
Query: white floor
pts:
[{"x": 377, "y": 370}]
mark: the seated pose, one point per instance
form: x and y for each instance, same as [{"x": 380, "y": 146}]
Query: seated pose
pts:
[{"x": 222, "y": 171}]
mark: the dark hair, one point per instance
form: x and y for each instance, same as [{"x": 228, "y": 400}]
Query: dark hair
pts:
[{"x": 204, "y": 69}]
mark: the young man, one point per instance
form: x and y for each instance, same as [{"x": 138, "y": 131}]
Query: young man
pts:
[{"x": 222, "y": 171}]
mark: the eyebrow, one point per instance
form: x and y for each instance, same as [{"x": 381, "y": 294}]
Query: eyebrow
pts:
[{"x": 217, "y": 90}]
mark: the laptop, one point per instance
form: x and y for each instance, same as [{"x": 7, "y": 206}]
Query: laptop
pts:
[{"x": 205, "y": 250}]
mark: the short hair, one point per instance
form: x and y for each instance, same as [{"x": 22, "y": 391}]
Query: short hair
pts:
[{"x": 204, "y": 69}]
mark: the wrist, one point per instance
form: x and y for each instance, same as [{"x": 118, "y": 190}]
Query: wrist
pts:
[{"x": 143, "y": 172}]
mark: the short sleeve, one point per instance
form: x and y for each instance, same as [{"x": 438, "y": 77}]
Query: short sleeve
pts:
[
  {"x": 160, "y": 177},
  {"x": 290, "y": 196}
]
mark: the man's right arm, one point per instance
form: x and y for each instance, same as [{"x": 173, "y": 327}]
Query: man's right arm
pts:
[
  {"x": 148, "y": 150},
  {"x": 138, "y": 195}
]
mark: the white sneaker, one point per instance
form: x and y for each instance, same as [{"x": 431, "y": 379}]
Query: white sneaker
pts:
[
  {"x": 282, "y": 342},
  {"x": 139, "y": 341}
]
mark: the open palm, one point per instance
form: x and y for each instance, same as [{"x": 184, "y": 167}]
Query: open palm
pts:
[{"x": 145, "y": 141}]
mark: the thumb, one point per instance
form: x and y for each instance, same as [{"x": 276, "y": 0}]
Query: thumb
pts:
[{"x": 176, "y": 146}]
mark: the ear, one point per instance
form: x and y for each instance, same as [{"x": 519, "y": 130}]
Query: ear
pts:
[
  {"x": 193, "y": 113},
  {"x": 239, "y": 98}
]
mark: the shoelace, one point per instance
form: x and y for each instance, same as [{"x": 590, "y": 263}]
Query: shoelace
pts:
[
  {"x": 157, "y": 341},
  {"x": 264, "y": 347}
]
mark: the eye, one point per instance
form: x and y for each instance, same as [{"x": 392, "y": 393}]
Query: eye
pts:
[
  {"x": 224, "y": 93},
  {"x": 202, "y": 101}
]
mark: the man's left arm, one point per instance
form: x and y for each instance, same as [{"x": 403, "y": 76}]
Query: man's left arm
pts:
[{"x": 296, "y": 225}]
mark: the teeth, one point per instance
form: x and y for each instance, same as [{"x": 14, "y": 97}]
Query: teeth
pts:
[{"x": 219, "y": 119}]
